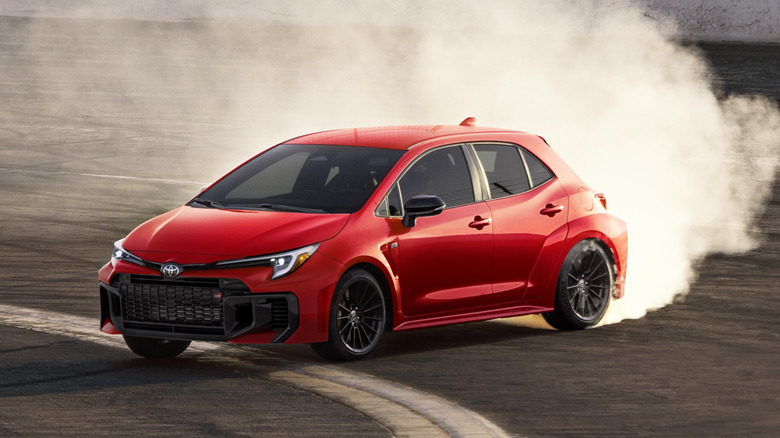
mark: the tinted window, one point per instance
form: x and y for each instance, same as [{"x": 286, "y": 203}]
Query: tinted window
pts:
[
  {"x": 277, "y": 179},
  {"x": 331, "y": 179},
  {"x": 540, "y": 174},
  {"x": 504, "y": 169},
  {"x": 394, "y": 204},
  {"x": 391, "y": 205},
  {"x": 444, "y": 173}
]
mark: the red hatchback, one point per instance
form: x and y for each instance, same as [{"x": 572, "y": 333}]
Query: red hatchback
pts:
[{"x": 335, "y": 237}]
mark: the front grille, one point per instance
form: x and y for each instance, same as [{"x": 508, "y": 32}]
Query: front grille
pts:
[
  {"x": 197, "y": 308},
  {"x": 185, "y": 301}
]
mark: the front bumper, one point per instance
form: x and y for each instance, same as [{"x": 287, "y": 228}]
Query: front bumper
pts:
[{"x": 208, "y": 309}]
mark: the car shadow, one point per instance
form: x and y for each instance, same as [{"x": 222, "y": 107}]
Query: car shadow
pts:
[{"x": 409, "y": 342}]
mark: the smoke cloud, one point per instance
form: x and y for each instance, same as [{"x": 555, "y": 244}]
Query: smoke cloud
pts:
[{"x": 635, "y": 114}]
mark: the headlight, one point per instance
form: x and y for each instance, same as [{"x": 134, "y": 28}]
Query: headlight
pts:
[
  {"x": 120, "y": 253},
  {"x": 282, "y": 263}
]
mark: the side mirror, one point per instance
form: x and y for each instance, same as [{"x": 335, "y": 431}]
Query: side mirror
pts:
[{"x": 420, "y": 206}]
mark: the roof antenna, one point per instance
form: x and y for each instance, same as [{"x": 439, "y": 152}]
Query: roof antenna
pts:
[{"x": 469, "y": 121}]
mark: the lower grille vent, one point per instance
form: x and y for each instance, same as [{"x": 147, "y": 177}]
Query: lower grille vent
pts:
[{"x": 280, "y": 313}]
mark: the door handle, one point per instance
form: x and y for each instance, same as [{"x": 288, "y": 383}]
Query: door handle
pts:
[
  {"x": 480, "y": 223},
  {"x": 551, "y": 210}
]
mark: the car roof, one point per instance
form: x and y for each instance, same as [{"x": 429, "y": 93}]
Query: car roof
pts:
[{"x": 390, "y": 137}]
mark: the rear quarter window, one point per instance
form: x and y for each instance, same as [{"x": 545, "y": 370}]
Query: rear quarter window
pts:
[
  {"x": 504, "y": 169},
  {"x": 538, "y": 172}
]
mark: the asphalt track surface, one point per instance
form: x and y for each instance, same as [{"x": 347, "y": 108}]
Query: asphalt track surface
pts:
[{"x": 704, "y": 366}]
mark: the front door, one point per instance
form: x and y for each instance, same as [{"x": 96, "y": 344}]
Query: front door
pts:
[{"x": 445, "y": 260}]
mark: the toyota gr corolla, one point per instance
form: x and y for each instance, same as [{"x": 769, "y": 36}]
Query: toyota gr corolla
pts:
[{"x": 333, "y": 238}]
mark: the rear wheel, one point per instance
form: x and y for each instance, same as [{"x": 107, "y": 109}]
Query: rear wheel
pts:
[
  {"x": 357, "y": 318},
  {"x": 584, "y": 288},
  {"x": 155, "y": 348}
]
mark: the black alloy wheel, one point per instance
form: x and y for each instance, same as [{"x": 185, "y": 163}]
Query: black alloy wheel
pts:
[
  {"x": 357, "y": 317},
  {"x": 584, "y": 289}
]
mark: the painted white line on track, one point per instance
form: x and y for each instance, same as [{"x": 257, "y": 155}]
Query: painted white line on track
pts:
[
  {"x": 139, "y": 178},
  {"x": 454, "y": 419},
  {"x": 406, "y": 412},
  {"x": 107, "y": 176}
]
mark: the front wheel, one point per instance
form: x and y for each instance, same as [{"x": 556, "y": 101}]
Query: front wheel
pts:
[
  {"x": 155, "y": 348},
  {"x": 584, "y": 288},
  {"x": 357, "y": 318}
]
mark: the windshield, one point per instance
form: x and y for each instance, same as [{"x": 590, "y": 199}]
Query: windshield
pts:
[{"x": 303, "y": 178}]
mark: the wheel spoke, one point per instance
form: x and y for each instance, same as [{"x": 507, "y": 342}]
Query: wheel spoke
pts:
[
  {"x": 370, "y": 327},
  {"x": 363, "y": 331},
  {"x": 602, "y": 293},
  {"x": 592, "y": 270},
  {"x": 358, "y": 338},
  {"x": 592, "y": 306},
  {"x": 592, "y": 258},
  {"x": 364, "y": 295},
  {"x": 598, "y": 276},
  {"x": 372, "y": 308},
  {"x": 350, "y": 335},
  {"x": 598, "y": 302}
]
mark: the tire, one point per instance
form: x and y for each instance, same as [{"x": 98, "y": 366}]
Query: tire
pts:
[
  {"x": 358, "y": 315},
  {"x": 155, "y": 348},
  {"x": 584, "y": 288}
]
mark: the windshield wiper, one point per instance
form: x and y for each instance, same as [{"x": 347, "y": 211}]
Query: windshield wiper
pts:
[
  {"x": 265, "y": 206},
  {"x": 289, "y": 208},
  {"x": 207, "y": 202}
]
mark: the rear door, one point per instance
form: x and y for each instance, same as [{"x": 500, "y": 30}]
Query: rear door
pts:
[{"x": 528, "y": 208}]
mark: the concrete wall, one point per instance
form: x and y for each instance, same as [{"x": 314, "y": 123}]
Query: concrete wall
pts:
[
  {"x": 721, "y": 20},
  {"x": 709, "y": 20}
]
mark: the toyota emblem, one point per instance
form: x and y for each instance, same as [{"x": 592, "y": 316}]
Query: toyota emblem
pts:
[{"x": 171, "y": 270}]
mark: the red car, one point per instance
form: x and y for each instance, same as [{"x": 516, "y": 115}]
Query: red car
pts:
[{"x": 335, "y": 237}]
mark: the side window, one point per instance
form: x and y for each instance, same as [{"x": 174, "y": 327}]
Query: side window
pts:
[
  {"x": 504, "y": 169},
  {"x": 394, "y": 204},
  {"x": 540, "y": 174},
  {"x": 444, "y": 173},
  {"x": 391, "y": 205}
]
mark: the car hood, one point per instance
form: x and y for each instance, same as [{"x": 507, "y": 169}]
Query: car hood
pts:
[{"x": 204, "y": 235}]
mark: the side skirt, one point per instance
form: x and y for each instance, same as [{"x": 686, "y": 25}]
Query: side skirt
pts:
[{"x": 483, "y": 315}]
